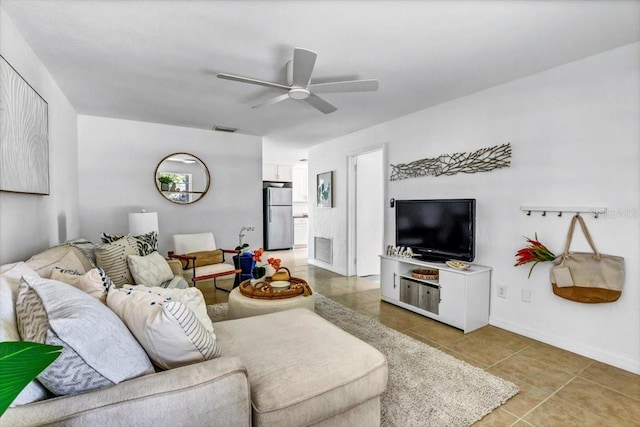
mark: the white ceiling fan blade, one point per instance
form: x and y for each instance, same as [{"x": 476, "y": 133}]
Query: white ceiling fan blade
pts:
[
  {"x": 345, "y": 86},
  {"x": 251, "y": 81},
  {"x": 303, "y": 63},
  {"x": 272, "y": 101},
  {"x": 320, "y": 104}
]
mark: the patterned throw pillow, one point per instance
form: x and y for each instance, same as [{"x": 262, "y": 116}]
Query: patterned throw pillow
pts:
[
  {"x": 95, "y": 282},
  {"x": 97, "y": 347},
  {"x": 10, "y": 276},
  {"x": 149, "y": 270},
  {"x": 112, "y": 258},
  {"x": 147, "y": 242},
  {"x": 192, "y": 297},
  {"x": 176, "y": 282},
  {"x": 172, "y": 333}
]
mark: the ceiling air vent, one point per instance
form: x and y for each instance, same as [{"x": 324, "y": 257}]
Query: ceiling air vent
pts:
[{"x": 224, "y": 129}]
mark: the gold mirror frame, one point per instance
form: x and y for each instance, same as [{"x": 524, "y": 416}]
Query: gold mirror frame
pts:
[{"x": 179, "y": 180}]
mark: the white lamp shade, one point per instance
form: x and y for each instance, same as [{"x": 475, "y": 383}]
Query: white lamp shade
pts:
[{"x": 143, "y": 222}]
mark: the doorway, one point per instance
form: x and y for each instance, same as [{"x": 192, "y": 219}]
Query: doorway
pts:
[{"x": 366, "y": 212}]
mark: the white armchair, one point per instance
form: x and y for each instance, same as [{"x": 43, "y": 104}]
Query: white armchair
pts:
[{"x": 201, "y": 259}]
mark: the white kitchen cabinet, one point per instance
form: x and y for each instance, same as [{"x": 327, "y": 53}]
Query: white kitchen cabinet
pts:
[
  {"x": 300, "y": 231},
  {"x": 459, "y": 298},
  {"x": 271, "y": 172},
  {"x": 300, "y": 184}
]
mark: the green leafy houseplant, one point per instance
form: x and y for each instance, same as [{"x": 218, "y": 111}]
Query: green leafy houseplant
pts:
[
  {"x": 21, "y": 362},
  {"x": 165, "y": 179}
]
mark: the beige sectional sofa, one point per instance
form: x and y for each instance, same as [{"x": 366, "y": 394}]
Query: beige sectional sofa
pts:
[{"x": 290, "y": 368}]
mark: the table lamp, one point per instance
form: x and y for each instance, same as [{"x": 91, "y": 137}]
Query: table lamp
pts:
[{"x": 143, "y": 222}]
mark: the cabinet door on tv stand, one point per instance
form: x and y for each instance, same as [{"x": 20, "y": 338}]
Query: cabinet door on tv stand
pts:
[
  {"x": 452, "y": 298},
  {"x": 388, "y": 279}
]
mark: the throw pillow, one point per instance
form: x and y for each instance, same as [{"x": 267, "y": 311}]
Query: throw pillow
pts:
[
  {"x": 58, "y": 256},
  {"x": 175, "y": 282},
  {"x": 149, "y": 270},
  {"x": 95, "y": 282},
  {"x": 204, "y": 258},
  {"x": 97, "y": 347},
  {"x": 169, "y": 330},
  {"x": 147, "y": 242},
  {"x": 9, "y": 283},
  {"x": 87, "y": 249},
  {"x": 112, "y": 258},
  {"x": 191, "y": 297}
]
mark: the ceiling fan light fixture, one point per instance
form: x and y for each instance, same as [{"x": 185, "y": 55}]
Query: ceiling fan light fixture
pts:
[
  {"x": 299, "y": 86},
  {"x": 299, "y": 93}
]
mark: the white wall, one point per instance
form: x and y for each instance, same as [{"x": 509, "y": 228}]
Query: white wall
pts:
[
  {"x": 575, "y": 133},
  {"x": 31, "y": 223},
  {"x": 117, "y": 162}
]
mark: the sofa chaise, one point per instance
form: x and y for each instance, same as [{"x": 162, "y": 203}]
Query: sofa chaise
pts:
[{"x": 291, "y": 368}]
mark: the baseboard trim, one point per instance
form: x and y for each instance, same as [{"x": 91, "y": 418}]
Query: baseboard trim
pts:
[
  {"x": 326, "y": 266},
  {"x": 622, "y": 362}
]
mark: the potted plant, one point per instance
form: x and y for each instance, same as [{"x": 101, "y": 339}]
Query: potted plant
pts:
[
  {"x": 21, "y": 362},
  {"x": 165, "y": 181}
]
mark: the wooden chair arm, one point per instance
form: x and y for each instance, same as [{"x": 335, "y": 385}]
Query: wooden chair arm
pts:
[
  {"x": 228, "y": 251},
  {"x": 183, "y": 257},
  {"x": 213, "y": 276},
  {"x": 188, "y": 258}
]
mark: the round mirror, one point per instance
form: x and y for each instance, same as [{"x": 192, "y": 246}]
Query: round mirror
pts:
[{"x": 182, "y": 178}]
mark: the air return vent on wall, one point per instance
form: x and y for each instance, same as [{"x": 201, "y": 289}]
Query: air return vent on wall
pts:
[
  {"x": 224, "y": 129},
  {"x": 322, "y": 249}
]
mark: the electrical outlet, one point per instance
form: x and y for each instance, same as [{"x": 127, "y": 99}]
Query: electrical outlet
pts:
[
  {"x": 502, "y": 291},
  {"x": 525, "y": 295}
]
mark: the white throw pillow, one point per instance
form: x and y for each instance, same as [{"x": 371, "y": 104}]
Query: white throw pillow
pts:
[
  {"x": 95, "y": 282},
  {"x": 169, "y": 330},
  {"x": 149, "y": 270},
  {"x": 9, "y": 283},
  {"x": 58, "y": 256},
  {"x": 192, "y": 297},
  {"x": 97, "y": 347}
]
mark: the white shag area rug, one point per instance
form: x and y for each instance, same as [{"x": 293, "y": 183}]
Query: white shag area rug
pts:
[{"x": 426, "y": 386}]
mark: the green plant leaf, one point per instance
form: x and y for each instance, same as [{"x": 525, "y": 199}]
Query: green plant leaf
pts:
[{"x": 21, "y": 362}]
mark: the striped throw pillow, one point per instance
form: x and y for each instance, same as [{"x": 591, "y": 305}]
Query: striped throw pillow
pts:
[
  {"x": 98, "y": 350},
  {"x": 171, "y": 333},
  {"x": 112, "y": 258}
]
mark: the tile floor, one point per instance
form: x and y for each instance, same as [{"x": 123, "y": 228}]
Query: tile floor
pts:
[{"x": 557, "y": 387}]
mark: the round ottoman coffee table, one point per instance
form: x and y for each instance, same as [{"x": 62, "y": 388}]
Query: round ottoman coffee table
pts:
[{"x": 241, "y": 306}]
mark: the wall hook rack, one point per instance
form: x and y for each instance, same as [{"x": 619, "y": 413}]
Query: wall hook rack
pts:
[{"x": 595, "y": 211}]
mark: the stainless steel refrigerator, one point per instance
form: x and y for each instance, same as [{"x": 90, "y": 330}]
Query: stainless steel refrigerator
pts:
[{"x": 278, "y": 218}]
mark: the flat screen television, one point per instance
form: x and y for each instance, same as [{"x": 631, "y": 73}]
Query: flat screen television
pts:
[{"x": 437, "y": 230}]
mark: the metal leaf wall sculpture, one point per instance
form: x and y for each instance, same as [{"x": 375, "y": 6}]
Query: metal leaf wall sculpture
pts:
[{"x": 482, "y": 160}]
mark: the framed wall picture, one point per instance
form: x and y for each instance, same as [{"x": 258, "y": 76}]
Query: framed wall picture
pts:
[
  {"x": 324, "y": 189},
  {"x": 24, "y": 139}
]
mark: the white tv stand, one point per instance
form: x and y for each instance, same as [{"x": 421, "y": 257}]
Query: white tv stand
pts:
[{"x": 459, "y": 298}]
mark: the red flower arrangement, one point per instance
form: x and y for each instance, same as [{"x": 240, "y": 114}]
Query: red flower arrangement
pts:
[
  {"x": 536, "y": 252},
  {"x": 260, "y": 271}
]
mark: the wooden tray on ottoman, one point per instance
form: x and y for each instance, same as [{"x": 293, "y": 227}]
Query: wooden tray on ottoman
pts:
[{"x": 263, "y": 289}]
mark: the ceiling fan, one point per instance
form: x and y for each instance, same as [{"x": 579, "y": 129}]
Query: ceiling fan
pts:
[{"x": 299, "y": 86}]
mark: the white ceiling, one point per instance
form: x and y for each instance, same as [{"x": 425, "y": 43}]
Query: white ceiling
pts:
[{"x": 156, "y": 61}]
